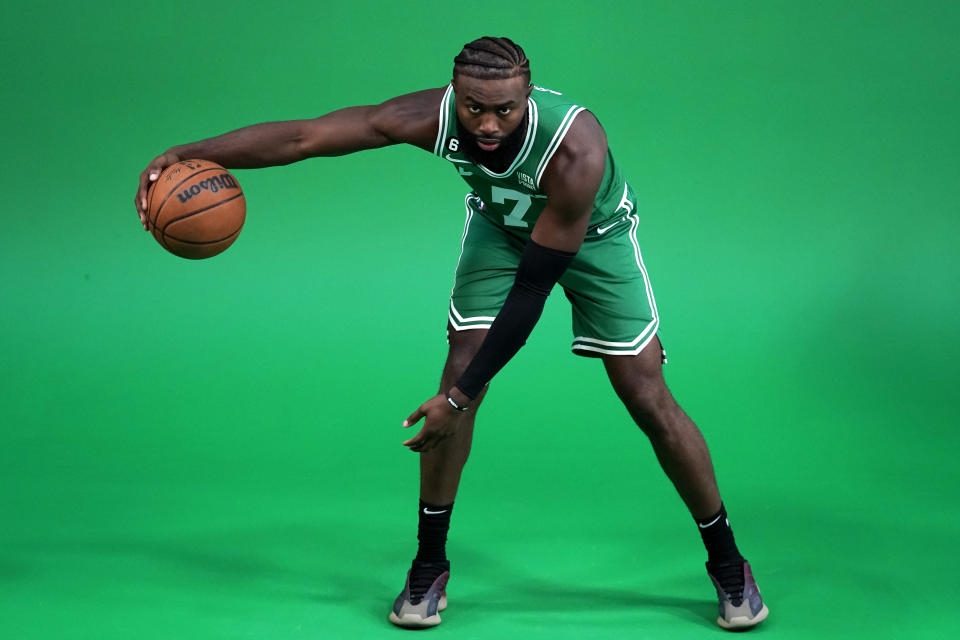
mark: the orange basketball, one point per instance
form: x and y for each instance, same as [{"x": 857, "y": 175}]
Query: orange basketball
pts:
[{"x": 196, "y": 209}]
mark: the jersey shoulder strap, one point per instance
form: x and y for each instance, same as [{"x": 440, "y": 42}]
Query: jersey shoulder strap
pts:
[
  {"x": 447, "y": 125},
  {"x": 555, "y": 115}
]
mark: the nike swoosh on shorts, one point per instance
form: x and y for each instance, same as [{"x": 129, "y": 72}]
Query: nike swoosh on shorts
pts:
[{"x": 603, "y": 230}]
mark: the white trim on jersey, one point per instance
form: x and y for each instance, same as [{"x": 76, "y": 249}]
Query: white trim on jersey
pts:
[
  {"x": 443, "y": 123},
  {"x": 557, "y": 139},
  {"x": 532, "y": 122},
  {"x": 443, "y": 129}
]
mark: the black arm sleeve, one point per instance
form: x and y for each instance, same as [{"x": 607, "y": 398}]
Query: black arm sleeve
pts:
[{"x": 539, "y": 269}]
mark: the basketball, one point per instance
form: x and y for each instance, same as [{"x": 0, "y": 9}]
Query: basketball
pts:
[{"x": 195, "y": 209}]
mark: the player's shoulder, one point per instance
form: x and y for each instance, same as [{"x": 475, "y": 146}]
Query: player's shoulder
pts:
[
  {"x": 411, "y": 117},
  {"x": 574, "y": 124},
  {"x": 556, "y": 110},
  {"x": 550, "y": 99},
  {"x": 411, "y": 106}
]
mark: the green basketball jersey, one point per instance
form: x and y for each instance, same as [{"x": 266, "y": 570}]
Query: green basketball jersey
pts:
[{"x": 513, "y": 198}]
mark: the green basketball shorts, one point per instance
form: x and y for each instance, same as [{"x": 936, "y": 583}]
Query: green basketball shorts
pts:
[{"x": 614, "y": 311}]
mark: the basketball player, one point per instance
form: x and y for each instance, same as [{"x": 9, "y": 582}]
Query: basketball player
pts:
[{"x": 547, "y": 205}]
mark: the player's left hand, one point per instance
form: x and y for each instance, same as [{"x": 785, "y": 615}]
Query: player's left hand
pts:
[{"x": 441, "y": 423}]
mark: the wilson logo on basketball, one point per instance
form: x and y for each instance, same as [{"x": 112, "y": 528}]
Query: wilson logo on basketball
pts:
[{"x": 213, "y": 185}]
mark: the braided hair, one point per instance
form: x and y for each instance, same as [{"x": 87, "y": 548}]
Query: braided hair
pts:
[{"x": 490, "y": 58}]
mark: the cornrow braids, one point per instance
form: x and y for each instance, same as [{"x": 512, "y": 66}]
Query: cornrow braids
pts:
[{"x": 490, "y": 58}]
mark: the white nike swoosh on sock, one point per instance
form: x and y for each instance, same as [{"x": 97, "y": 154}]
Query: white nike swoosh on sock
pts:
[
  {"x": 715, "y": 520},
  {"x": 433, "y": 513}
]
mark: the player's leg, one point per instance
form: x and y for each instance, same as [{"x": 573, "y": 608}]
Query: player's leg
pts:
[
  {"x": 424, "y": 594},
  {"x": 615, "y": 317},
  {"x": 440, "y": 467},
  {"x": 485, "y": 273},
  {"x": 677, "y": 442},
  {"x": 683, "y": 455}
]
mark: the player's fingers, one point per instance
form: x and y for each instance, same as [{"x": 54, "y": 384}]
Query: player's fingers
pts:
[
  {"x": 150, "y": 175},
  {"x": 423, "y": 441},
  {"x": 426, "y": 445},
  {"x": 415, "y": 442},
  {"x": 143, "y": 190},
  {"x": 430, "y": 441},
  {"x": 434, "y": 441},
  {"x": 141, "y": 213},
  {"x": 141, "y": 198},
  {"x": 414, "y": 417}
]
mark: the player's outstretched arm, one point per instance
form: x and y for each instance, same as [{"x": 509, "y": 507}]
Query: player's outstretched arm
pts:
[{"x": 411, "y": 119}]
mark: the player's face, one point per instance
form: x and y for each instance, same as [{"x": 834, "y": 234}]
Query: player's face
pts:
[{"x": 490, "y": 109}]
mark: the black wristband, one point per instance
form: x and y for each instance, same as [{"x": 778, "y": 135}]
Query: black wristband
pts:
[{"x": 456, "y": 405}]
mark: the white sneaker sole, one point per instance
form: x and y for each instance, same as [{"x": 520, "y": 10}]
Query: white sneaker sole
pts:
[
  {"x": 743, "y": 622},
  {"x": 414, "y": 621}
]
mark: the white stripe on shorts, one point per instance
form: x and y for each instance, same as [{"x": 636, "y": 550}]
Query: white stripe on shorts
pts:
[{"x": 458, "y": 322}]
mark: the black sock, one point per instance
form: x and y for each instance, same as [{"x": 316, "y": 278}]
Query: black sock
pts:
[
  {"x": 432, "y": 532},
  {"x": 431, "y": 560},
  {"x": 718, "y": 539},
  {"x": 724, "y": 561}
]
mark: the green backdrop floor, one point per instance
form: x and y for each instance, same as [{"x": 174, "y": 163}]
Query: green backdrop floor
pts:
[{"x": 212, "y": 449}]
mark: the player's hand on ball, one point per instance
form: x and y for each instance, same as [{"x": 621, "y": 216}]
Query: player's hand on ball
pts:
[
  {"x": 441, "y": 422},
  {"x": 147, "y": 177}
]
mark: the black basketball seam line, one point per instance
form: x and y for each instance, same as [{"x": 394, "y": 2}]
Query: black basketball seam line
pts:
[
  {"x": 162, "y": 241},
  {"x": 193, "y": 213},
  {"x": 156, "y": 233},
  {"x": 174, "y": 189},
  {"x": 209, "y": 242}
]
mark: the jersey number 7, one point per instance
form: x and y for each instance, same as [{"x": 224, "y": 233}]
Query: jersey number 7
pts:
[{"x": 522, "y": 203}]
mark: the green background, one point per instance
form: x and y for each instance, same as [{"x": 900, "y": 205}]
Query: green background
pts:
[{"x": 212, "y": 449}]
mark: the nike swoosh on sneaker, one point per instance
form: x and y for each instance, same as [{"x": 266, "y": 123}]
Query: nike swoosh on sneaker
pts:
[
  {"x": 433, "y": 513},
  {"x": 603, "y": 230}
]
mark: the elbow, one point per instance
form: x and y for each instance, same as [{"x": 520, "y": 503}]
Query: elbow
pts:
[{"x": 303, "y": 144}]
